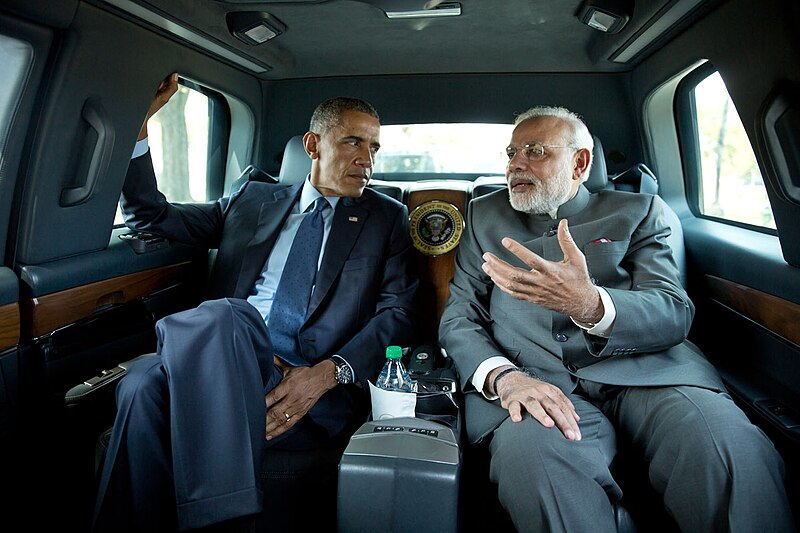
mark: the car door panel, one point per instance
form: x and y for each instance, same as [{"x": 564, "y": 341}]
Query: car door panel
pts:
[
  {"x": 64, "y": 291},
  {"x": 9, "y": 309},
  {"x": 748, "y": 325},
  {"x": 777, "y": 315},
  {"x": 49, "y": 312}
]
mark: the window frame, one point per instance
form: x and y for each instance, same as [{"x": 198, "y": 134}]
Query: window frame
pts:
[
  {"x": 18, "y": 136},
  {"x": 689, "y": 143},
  {"x": 219, "y": 132}
]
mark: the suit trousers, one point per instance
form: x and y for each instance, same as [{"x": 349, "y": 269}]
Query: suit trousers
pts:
[
  {"x": 715, "y": 470},
  {"x": 186, "y": 445}
]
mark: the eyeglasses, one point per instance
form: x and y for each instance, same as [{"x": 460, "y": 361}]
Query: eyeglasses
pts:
[{"x": 534, "y": 151}]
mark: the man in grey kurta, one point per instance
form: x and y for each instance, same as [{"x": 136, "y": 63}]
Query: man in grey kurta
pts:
[{"x": 567, "y": 323}]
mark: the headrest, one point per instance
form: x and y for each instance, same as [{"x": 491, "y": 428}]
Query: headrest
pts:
[
  {"x": 598, "y": 174},
  {"x": 296, "y": 164}
]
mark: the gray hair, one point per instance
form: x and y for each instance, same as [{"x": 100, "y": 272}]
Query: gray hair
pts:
[
  {"x": 578, "y": 136},
  {"x": 329, "y": 113}
]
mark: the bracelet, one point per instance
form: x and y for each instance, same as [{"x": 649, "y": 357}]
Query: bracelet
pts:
[{"x": 508, "y": 371}]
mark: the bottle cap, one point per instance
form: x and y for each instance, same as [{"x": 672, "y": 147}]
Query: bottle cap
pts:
[{"x": 394, "y": 352}]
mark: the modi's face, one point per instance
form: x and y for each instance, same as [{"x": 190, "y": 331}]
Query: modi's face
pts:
[{"x": 541, "y": 166}]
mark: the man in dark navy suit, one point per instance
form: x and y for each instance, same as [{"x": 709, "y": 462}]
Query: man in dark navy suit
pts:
[{"x": 272, "y": 359}]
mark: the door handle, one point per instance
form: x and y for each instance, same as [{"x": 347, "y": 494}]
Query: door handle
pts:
[{"x": 95, "y": 115}]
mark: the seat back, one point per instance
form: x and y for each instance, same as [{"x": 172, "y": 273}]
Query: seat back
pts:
[
  {"x": 251, "y": 173},
  {"x": 296, "y": 163},
  {"x": 639, "y": 178},
  {"x": 598, "y": 174}
]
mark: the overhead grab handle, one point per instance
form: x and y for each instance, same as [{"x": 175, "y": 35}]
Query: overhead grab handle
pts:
[{"x": 95, "y": 115}]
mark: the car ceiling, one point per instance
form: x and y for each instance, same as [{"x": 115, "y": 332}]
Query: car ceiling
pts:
[{"x": 326, "y": 38}]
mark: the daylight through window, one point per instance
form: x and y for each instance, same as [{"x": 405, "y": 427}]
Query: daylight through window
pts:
[{"x": 731, "y": 184}]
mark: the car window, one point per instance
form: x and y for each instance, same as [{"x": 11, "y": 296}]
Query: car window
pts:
[
  {"x": 730, "y": 183},
  {"x": 443, "y": 148},
  {"x": 180, "y": 136},
  {"x": 16, "y": 57}
]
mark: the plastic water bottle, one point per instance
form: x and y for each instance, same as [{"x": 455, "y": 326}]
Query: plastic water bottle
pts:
[{"x": 394, "y": 376}]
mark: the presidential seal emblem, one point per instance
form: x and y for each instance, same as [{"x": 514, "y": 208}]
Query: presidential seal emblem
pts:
[{"x": 436, "y": 227}]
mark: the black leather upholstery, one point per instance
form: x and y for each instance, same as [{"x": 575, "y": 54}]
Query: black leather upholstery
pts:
[{"x": 296, "y": 163}]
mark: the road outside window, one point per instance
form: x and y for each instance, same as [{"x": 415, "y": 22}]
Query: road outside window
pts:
[{"x": 443, "y": 148}]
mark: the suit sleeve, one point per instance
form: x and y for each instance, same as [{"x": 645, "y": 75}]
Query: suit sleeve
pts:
[
  {"x": 393, "y": 322},
  {"x": 464, "y": 329},
  {"x": 146, "y": 209},
  {"x": 654, "y": 312}
]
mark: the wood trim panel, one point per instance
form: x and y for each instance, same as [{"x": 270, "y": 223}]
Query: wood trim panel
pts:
[
  {"x": 780, "y": 316},
  {"x": 435, "y": 273},
  {"x": 47, "y": 313},
  {"x": 9, "y": 325}
]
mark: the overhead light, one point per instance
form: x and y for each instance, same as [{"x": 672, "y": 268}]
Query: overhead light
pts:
[
  {"x": 254, "y": 27},
  {"x": 188, "y": 35},
  {"x": 608, "y": 16},
  {"x": 409, "y": 9}
]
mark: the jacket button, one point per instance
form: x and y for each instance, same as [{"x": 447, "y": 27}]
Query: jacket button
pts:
[
  {"x": 571, "y": 367},
  {"x": 560, "y": 337}
]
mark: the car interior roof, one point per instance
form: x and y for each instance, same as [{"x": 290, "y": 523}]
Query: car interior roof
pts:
[{"x": 507, "y": 36}]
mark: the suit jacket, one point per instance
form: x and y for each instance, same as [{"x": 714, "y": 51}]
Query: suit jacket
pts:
[
  {"x": 364, "y": 294},
  {"x": 623, "y": 236}
]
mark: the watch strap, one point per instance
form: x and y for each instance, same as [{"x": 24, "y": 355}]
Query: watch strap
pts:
[{"x": 508, "y": 371}]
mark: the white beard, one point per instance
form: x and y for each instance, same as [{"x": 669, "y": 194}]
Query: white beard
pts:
[{"x": 545, "y": 196}]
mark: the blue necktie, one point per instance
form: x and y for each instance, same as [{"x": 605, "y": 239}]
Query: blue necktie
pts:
[{"x": 289, "y": 308}]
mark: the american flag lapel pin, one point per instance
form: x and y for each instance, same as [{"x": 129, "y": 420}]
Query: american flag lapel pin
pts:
[{"x": 353, "y": 219}]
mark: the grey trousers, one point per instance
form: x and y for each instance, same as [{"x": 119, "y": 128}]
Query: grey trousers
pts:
[{"x": 715, "y": 470}]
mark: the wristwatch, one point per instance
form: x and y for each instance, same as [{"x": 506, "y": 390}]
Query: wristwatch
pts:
[{"x": 344, "y": 374}]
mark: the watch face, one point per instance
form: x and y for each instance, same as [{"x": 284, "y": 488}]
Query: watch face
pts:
[{"x": 343, "y": 374}]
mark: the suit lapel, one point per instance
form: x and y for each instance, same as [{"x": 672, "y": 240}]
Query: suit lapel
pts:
[
  {"x": 271, "y": 218},
  {"x": 348, "y": 220}
]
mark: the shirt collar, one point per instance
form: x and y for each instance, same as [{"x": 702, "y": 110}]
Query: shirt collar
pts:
[{"x": 310, "y": 195}]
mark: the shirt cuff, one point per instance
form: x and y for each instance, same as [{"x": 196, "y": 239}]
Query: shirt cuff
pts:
[
  {"x": 479, "y": 377},
  {"x": 606, "y": 324},
  {"x": 140, "y": 149}
]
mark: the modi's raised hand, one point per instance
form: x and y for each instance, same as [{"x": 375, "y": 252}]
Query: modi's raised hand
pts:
[{"x": 563, "y": 286}]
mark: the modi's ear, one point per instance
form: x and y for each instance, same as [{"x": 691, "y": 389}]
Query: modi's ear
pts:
[
  {"x": 582, "y": 159},
  {"x": 311, "y": 144}
]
